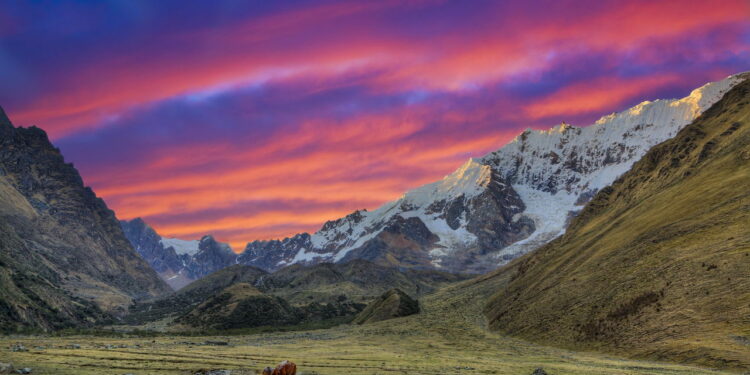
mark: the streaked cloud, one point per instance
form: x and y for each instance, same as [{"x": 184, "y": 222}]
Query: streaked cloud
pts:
[{"x": 259, "y": 120}]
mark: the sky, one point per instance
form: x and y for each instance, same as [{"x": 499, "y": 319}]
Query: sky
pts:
[{"x": 261, "y": 119}]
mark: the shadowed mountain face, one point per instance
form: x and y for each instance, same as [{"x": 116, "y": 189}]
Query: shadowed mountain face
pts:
[
  {"x": 658, "y": 264},
  {"x": 63, "y": 257},
  {"x": 178, "y": 262}
]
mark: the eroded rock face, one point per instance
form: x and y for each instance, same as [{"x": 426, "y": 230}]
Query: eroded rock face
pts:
[
  {"x": 59, "y": 243},
  {"x": 211, "y": 256}
]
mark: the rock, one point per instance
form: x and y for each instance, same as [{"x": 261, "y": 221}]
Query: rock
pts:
[
  {"x": 539, "y": 371},
  {"x": 25, "y": 370},
  {"x": 213, "y": 372},
  {"x": 6, "y": 368},
  {"x": 284, "y": 368},
  {"x": 217, "y": 343},
  {"x": 18, "y": 348}
]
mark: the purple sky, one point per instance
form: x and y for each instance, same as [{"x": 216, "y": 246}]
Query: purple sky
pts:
[{"x": 257, "y": 120}]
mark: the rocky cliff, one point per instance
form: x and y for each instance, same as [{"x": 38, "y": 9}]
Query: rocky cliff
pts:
[{"x": 63, "y": 257}]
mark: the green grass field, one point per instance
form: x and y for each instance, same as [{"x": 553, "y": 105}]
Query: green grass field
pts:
[{"x": 448, "y": 337}]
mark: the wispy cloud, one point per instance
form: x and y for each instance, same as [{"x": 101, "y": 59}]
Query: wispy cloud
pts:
[{"x": 258, "y": 120}]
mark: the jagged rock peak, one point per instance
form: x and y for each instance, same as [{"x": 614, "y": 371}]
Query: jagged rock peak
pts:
[
  {"x": 469, "y": 180},
  {"x": 4, "y": 120}
]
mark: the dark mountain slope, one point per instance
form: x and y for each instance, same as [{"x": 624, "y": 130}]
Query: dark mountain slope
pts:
[
  {"x": 656, "y": 265},
  {"x": 63, "y": 256}
]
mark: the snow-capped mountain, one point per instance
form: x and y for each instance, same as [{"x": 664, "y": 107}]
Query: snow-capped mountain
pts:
[
  {"x": 500, "y": 206},
  {"x": 178, "y": 262}
]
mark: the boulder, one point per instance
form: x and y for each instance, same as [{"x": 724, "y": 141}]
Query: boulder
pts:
[
  {"x": 284, "y": 368},
  {"x": 6, "y": 368}
]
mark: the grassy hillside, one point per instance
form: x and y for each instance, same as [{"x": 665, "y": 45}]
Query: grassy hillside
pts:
[
  {"x": 658, "y": 264},
  {"x": 297, "y": 294},
  {"x": 357, "y": 280},
  {"x": 194, "y": 294}
]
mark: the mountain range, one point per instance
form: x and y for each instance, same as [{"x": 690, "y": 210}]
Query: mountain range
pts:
[
  {"x": 491, "y": 209},
  {"x": 178, "y": 262}
]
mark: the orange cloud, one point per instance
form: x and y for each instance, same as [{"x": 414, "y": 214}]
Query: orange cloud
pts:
[{"x": 595, "y": 96}]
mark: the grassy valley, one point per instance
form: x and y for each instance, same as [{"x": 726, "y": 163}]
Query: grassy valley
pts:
[{"x": 449, "y": 336}]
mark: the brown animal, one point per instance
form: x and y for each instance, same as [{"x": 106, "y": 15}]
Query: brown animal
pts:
[{"x": 284, "y": 368}]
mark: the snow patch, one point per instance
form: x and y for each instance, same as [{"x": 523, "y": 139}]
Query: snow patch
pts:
[{"x": 181, "y": 247}]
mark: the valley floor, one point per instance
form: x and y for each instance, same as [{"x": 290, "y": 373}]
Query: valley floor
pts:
[{"x": 448, "y": 337}]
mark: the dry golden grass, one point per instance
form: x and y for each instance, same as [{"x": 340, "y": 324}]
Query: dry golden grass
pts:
[{"x": 658, "y": 265}]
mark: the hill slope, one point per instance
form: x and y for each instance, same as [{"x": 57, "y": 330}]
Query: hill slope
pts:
[
  {"x": 392, "y": 304},
  {"x": 63, "y": 257},
  {"x": 315, "y": 292},
  {"x": 658, "y": 264}
]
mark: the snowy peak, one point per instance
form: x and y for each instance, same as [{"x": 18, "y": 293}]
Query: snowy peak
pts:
[
  {"x": 469, "y": 180},
  {"x": 585, "y": 159}
]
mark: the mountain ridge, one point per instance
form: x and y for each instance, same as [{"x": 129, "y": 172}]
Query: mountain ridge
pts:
[
  {"x": 178, "y": 262},
  {"x": 64, "y": 260},
  {"x": 546, "y": 175}
]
